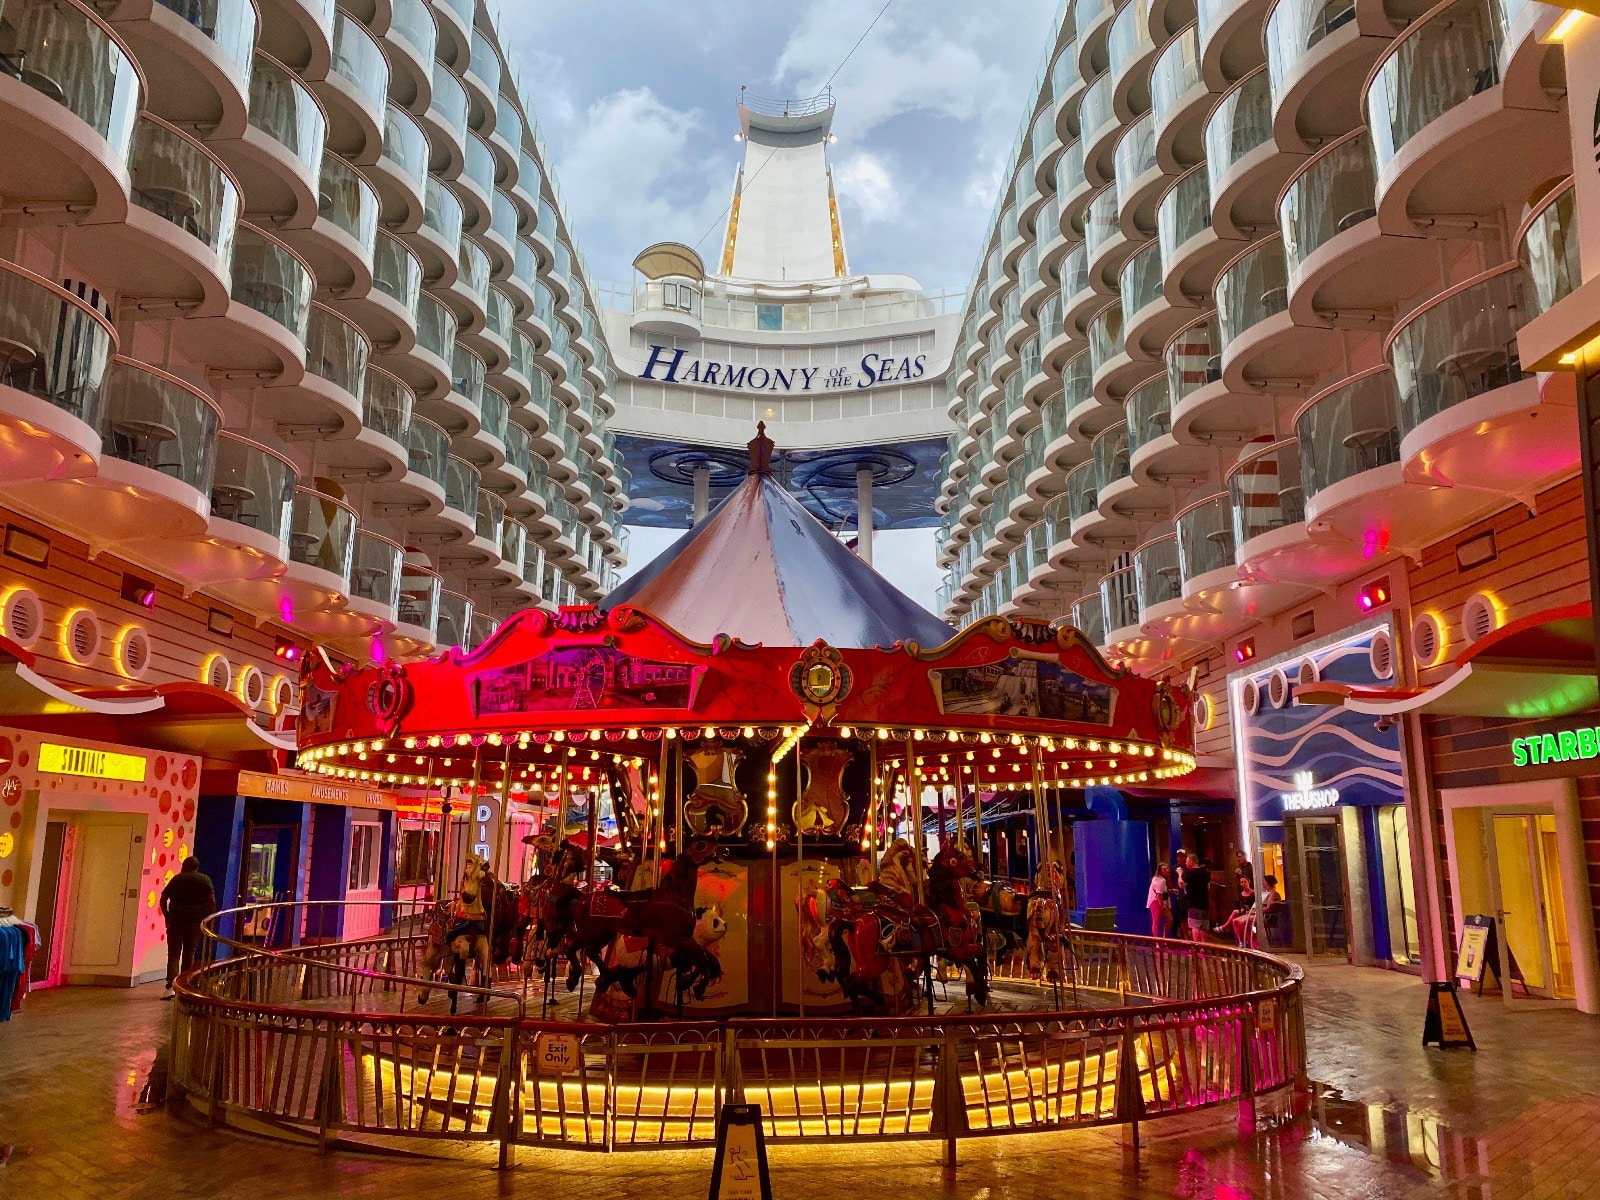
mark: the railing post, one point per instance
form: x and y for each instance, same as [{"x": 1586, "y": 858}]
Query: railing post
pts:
[
  {"x": 508, "y": 1084},
  {"x": 329, "y": 1099},
  {"x": 732, "y": 1078},
  {"x": 218, "y": 1040},
  {"x": 1130, "y": 1099},
  {"x": 1247, "y": 1075},
  {"x": 608, "y": 1119},
  {"x": 949, "y": 1115}
]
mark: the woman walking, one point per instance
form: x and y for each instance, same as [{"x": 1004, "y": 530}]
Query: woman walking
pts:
[{"x": 1156, "y": 902}]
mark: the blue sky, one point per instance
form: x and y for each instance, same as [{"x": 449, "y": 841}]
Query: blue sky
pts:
[{"x": 636, "y": 100}]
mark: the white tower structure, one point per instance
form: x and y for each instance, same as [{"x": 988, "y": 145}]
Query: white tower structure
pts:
[{"x": 783, "y": 222}]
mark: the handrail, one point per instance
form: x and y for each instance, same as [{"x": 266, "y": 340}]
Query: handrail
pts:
[
  {"x": 246, "y": 440},
  {"x": 1557, "y": 190},
  {"x": 116, "y": 39},
  {"x": 1339, "y": 386},
  {"x": 1199, "y": 504},
  {"x": 1435, "y": 301},
  {"x": 323, "y": 496},
  {"x": 210, "y": 154},
  {"x": 168, "y": 377},
  {"x": 1145, "y": 545},
  {"x": 1245, "y": 460},
  {"x": 1415, "y": 25},
  {"x": 61, "y": 293},
  {"x": 1326, "y": 150}
]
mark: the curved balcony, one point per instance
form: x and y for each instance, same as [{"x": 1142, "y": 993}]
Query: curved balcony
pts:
[
  {"x": 482, "y": 74},
  {"x": 195, "y": 59},
  {"x": 1230, "y": 39},
  {"x": 1139, "y": 180},
  {"x": 1206, "y": 548},
  {"x": 1179, "y": 100},
  {"x": 63, "y": 57},
  {"x": 1089, "y": 618},
  {"x": 1106, "y": 353},
  {"x": 1149, "y": 415},
  {"x": 335, "y": 376},
  {"x": 355, "y": 91},
  {"x": 469, "y": 295},
  {"x": 1119, "y": 605},
  {"x": 391, "y": 310},
  {"x": 1318, "y": 52},
  {"x": 461, "y": 484},
  {"x": 445, "y": 122},
  {"x": 437, "y": 241},
  {"x": 1112, "y": 475},
  {"x": 264, "y": 327},
  {"x": 1253, "y": 318},
  {"x": 506, "y": 138},
  {"x": 476, "y": 183},
  {"x": 1098, "y": 121},
  {"x": 417, "y": 612},
  {"x": 1079, "y": 302},
  {"x": 341, "y": 244},
  {"x": 455, "y": 619},
  {"x": 1073, "y": 186},
  {"x": 1156, "y": 581},
  {"x": 490, "y": 516},
  {"x": 278, "y": 159},
  {"x": 1129, "y": 51},
  {"x": 316, "y": 587},
  {"x": 410, "y": 47},
  {"x": 401, "y": 172},
  {"x": 500, "y": 238},
  {"x": 1204, "y": 412},
  {"x": 1151, "y": 317},
  {"x": 247, "y": 532},
  {"x": 493, "y": 340},
  {"x": 386, "y": 408},
  {"x": 421, "y": 490},
  {"x": 376, "y": 570},
  {"x": 158, "y": 436},
  {"x": 1245, "y": 169},
  {"x": 518, "y": 467},
  {"x": 1191, "y": 251},
  {"x": 56, "y": 349},
  {"x": 1447, "y": 97},
  {"x": 1547, "y": 245},
  {"x": 1266, "y": 493},
  {"x": 178, "y": 238},
  {"x": 1106, "y": 244},
  {"x": 461, "y": 408},
  {"x": 496, "y": 415},
  {"x": 1470, "y": 415}
]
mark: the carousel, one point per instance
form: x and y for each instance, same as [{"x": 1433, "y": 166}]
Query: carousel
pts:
[{"x": 756, "y": 777}]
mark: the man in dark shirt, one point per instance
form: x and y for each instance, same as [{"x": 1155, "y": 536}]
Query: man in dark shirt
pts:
[
  {"x": 1197, "y": 897},
  {"x": 187, "y": 900}
]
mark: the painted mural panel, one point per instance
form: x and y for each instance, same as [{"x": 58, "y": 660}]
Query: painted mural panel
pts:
[
  {"x": 582, "y": 677},
  {"x": 1024, "y": 687}
]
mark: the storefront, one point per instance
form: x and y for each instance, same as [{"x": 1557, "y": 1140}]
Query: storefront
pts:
[
  {"x": 89, "y": 835},
  {"x": 1324, "y": 799},
  {"x": 287, "y": 837}
]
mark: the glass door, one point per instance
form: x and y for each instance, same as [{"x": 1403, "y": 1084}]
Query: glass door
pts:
[
  {"x": 1322, "y": 878},
  {"x": 1399, "y": 891},
  {"x": 1531, "y": 906}
]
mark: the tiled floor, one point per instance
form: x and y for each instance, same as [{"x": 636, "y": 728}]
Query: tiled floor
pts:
[{"x": 1518, "y": 1119}]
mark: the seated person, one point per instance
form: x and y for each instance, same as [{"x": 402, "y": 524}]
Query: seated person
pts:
[{"x": 1241, "y": 923}]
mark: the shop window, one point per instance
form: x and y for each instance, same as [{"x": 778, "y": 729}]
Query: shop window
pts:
[
  {"x": 417, "y": 854},
  {"x": 364, "y": 843}
]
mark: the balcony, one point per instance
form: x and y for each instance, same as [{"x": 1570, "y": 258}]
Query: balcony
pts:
[
  {"x": 1179, "y": 99},
  {"x": 194, "y": 58},
  {"x": 422, "y": 491},
  {"x": 1547, "y": 245},
  {"x": 1104, "y": 240},
  {"x": 1098, "y": 123},
  {"x": 417, "y": 612},
  {"x": 437, "y": 241},
  {"x": 428, "y": 367},
  {"x": 1151, "y": 318},
  {"x": 445, "y": 122},
  {"x": 312, "y": 594},
  {"x": 1450, "y": 94},
  {"x": 1089, "y": 618},
  {"x": 461, "y": 483},
  {"x": 1149, "y": 416},
  {"x": 376, "y": 572},
  {"x": 54, "y": 353},
  {"x": 1266, "y": 492},
  {"x": 342, "y": 243},
  {"x": 1470, "y": 416},
  {"x": 1262, "y": 349},
  {"x": 1139, "y": 179},
  {"x": 328, "y": 395},
  {"x": 1119, "y": 606},
  {"x": 1230, "y": 38},
  {"x": 60, "y": 55},
  {"x": 410, "y": 48},
  {"x": 355, "y": 91},
  {"x": 401, "y": 172},
  {"x": 265, "y": 326},
  {"x": 1206, "y": 555},
  {"x": 247, "y": 533},
  {"x": 278, "y": 159},
  {"x": 669, "y": 305},
  {"x": 455, "y": 619},
  {"x": 1317, "y": 57},
  {"x": 1244, "y": 166},
  {"x": 386, "y": 409},
  {"x": 390, "y": 311}
]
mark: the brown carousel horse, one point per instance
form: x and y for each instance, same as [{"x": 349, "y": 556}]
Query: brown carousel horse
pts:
[
  {"x": 1044, "y": 926},
  {"x": 546, "y": 898},
  {"x": 875, "y": 932},
  {"x": 461, "y": 930},
  {"x": 960, "y": 921}
]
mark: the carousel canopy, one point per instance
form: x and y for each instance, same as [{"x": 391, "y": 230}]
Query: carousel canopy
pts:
[{"x": 762, "y": 569}]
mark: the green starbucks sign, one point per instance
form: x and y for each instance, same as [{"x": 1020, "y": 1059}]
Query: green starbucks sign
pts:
[{"x": 1543, "y": 749}]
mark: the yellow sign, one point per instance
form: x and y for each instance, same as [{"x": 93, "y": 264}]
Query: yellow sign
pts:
[
  {"x": 8, "y": 843},
  {"x": 1474, "y": 942},
  {"x": 306, "y": 789},
  {"x": 91, "y": 764},
  {"x": 1451, "y": 1022}
]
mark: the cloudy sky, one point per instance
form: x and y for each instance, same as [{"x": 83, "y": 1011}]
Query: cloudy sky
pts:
[{"x": 636, "y": 99}]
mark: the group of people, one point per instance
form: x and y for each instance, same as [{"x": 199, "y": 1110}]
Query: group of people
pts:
[{"x": 1179, "y": 901}]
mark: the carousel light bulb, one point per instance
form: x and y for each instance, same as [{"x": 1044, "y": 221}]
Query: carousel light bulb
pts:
[
  {"x": 633, "y": 735},
  {"x": 1094, "y": 747},
  {"x": 362, "y": 756},
  {"x": 970, "y": 754},
  {"x": 918, "y": 735},
  {"x": 984, "y": 738},
  {"x": 844, "y": 731},
  {"x": 411, "y": 743},
  {"x": 709, "y": 732},
  {"x": 559, "y": 735},
  {"x": 883, "y": 733},
  {"x": 494, "y": 739},
  {"x": 445, "y": 762},
  {"x": 671, "y": 733},
  {"x": 748, "y": 732},
  {"x": 996, "y": 751}
]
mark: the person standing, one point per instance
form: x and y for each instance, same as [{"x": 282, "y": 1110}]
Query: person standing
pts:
[
  {"x": 1156, "y": 902},
  {"x": 187, "y": 900},
  {"x": 1175, "y": 896},
  {"x": 1197, "y": 896}
]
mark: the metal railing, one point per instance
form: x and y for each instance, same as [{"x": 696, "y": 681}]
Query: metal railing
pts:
[{"x": 317, "y": 1040}]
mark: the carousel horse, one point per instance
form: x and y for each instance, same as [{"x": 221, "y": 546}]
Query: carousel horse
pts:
[
  {"x": 693, "y": 964},
  {"x": 1044, "y": 925},
  {"x": 874, "y": 930},
  {"x": 960, "y": 922},
  {"x": 664, "y": 914},
  {"x": 1001, "y": 912},
  {"x": 547, "y": 897},
  {"x": 461, "y": 930}
]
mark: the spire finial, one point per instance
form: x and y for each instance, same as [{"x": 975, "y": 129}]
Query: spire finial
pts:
[{"x": 760, "y": 448}]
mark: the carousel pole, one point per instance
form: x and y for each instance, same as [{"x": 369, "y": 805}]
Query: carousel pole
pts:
[
  {"x": 799, "y": 880},
  {"x": 561, "y": 797},
  {"x": 499, "y": 848},
  {"x": 661, "y": 810},
  {"x": 874, "y": 807},
  {"x": 677, "y": 788},
  {"x": 985, "y": 859},
  {"x": 594, "y": 836},
  {"x": 914, "y": 786}
]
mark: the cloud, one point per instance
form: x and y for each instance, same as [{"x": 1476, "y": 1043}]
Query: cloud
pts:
[{"x": 863, "y": 180}]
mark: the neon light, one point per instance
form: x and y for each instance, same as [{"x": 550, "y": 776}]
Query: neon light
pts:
[
  {"x": 1305, "y": 796},
  {"x": 1569, "y": 745},
  {"x": 91, "y": 764}
]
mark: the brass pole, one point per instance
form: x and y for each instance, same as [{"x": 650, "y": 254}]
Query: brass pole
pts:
[
  {"x": 914, "y": 786},
  {"x": 661, "y": 810},
  {"x": 985, "y": 859},
  {"x": 561, "y": 797},
  {"x": 799, "y": 880},
  {"x": 677, "y": 787},
  {"x": 594, "y": 834},
  {"x": 874, "y": 806}
]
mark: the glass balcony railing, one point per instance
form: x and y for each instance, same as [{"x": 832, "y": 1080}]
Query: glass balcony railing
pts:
[
  {"x": 284, "y": 109},
  {"x": 1349, "y": 428},
  {"x": 455, "y": 619},
  {"x": 349, "y": 202},
  {"x": 337, "y": 350},
  {"x": 436, "y": 328},
  {"x": 1089, "y": 618},
  {"x": 414, "y": 23},
  {"x": 322, "y": 532},
  {"x": 1155, "y": 570},
  {"x": 386, "y": 406},
  {"x": 485, "y": 63},
  {"x": 1439, "y": 62},
  {"x": 522, "y": 358},
  {"x": 463, "y": 10},
  {"x": 1175, "y": 73},
  {"x": 474, "y": 266},
  {"x": 1119, "y": 600},
  {"x": 1205, "y": 537},
  {"x": 495, "y": 415},
  {"x": 397, "y": 272},
  {"x": 1105, "y": 336},
  {"x": 1102, "y": 220},
  {"x": 1184, "y": 212},
  {"x": 1069, "y": 168},
  {"x": 479, "y": 168},
  {"x": 1028, "y": 360},
  {"x": 491, "y": 514},
  {"x": 483, "y": 627},
  {"x": 1075, "y": 272},
  {"x": 179, "y": 180},
  {"x": 1332, "y": 192},
  {"x": 418, "y": 604},
  {"x": 231, "y": 24},
  {"x": 58, "y": 345},
  {"x": 448, "y": 108},
  {"x": 1129, "y": 38},
  {"x": 508, "y": 121},
  {"x": 405, "y": 145},
  {"x": 461, "y": 486},
  {"x": 1265, "y": 491},
  {"x": 1141, "y": 279},
  {"x": 157, "y": 421},
  {"x": 1548, "y": 248},
  {"x": 1110, "y": 455},
  {"x": 1149, "y": 409},
  {"x": 1194, "y": 357},
  {"x": 1057, "y": 522},
  {"x": 1077, "y": 380},
  {"x": 1095, "y": 114},
  {"x": 1460, "y": 344},
  {"x": 498, "y": 316},
  {"x": 1053, "y": 419},
  {"x": 441, "y": 212},
  {"x": 358, "y": 59},
  {"x": 1241, "y": 121},
  {"x": 519, "y": 448},
  {"x": 1135, "y": 154},
  {"x": 1252, "y": 288},
  {"x": 252, "y": 485},
  {"x": 1082, "y": 498},
  {"x": 533, "y": 564},
  {"x": 271, "y": 279},
  {"x": 503, "y": 219},
  {"x": 1295, "y": 27},
  {"x": 376, "y": 569},
  {"x": 427, "y": 449},
  {"x": 514, "y": 544},
  {"x": 66, "y": 53}
]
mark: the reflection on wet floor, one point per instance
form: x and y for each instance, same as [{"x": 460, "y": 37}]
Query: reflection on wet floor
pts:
[{"x": 1395, "y": 1134}]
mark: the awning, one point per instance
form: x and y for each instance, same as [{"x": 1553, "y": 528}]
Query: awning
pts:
[{"x": 1541, "y": 665}]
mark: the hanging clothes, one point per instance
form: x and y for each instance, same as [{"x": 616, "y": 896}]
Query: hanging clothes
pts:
[{"x": 18, "y": 942}]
